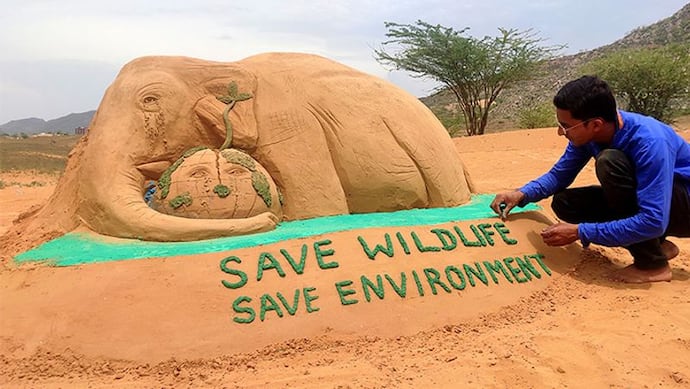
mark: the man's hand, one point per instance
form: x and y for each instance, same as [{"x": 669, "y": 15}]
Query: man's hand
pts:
[
  {"x": 560, "y": 234},
  {"x": 510, "y": 199}
]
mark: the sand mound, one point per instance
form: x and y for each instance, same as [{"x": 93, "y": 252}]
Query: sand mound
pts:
[
  {"x": 170, "y": 321},
  {"x": 383, "y": 282}
]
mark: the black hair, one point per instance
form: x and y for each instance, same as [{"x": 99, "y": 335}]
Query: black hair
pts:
[{"x": 586, "y": 98}]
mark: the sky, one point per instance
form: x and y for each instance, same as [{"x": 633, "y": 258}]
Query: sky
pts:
[{"x": 58, "y": 56}]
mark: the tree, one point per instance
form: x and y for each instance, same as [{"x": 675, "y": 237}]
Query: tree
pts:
[
  {"x": 450, "y": 119},
  {"x": 648, "y": 79},
  {"x": 475, "y": 70}
]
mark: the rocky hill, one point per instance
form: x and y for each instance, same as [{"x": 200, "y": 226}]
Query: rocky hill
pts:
[
  {"x": 27, "y": 126},
  {"x": 554, "y": 73},
  {"x": 65, "y": 124}
]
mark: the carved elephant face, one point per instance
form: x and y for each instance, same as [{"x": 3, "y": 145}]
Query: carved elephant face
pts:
[{"x": 156, "y": 109}]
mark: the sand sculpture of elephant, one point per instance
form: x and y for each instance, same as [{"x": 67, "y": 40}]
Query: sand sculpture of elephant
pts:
[{"x": 333, "y": 139}]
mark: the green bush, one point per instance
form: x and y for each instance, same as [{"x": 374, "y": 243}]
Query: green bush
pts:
[
  {"x": 649, "y": 80},
  {"x": 537, "y": 116}
]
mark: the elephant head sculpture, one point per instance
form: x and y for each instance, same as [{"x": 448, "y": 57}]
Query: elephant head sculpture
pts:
[{"x": 333, "y": 140}]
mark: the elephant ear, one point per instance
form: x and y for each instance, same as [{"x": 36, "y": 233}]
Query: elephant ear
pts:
[{"x": 209, "y": 110}]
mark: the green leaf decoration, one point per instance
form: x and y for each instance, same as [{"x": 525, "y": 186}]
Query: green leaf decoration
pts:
[
  {"x": 221, "y": 190},
  {"x": 262, "y": 187},
  {"x": 281, "y": 199},
  {"x": 239, "y": 157},
  {"x": 232, "y": 89},
  {"x": 230, "y": 99},
  {"x": 243, "y": 96},
  {"x": 183, "y": 199}
]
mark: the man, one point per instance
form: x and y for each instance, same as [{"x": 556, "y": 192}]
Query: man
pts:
[
  {"x": 643, "y": 167},
  {"x": 149, "y": 192}
]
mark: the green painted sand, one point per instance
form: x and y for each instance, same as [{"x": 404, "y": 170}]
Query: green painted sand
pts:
[{"x": 80, "y": 248}]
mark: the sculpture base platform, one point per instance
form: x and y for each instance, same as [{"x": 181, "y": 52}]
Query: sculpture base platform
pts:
[{"x": 380, "y": 275}]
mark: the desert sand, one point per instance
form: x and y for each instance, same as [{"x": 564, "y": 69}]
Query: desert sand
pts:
[{"x": 61, "y": 326}]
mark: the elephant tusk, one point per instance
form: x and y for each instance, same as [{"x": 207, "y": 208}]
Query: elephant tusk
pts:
[{"x": 153, "y": 170}]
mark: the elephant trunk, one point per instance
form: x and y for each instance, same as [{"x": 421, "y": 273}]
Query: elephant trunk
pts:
[{"x": 115, "y": 206}]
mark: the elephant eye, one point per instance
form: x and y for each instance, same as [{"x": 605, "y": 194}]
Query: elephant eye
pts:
[
  {"x": 150, "y": 103},
  {"x": 150, "y": 99}
]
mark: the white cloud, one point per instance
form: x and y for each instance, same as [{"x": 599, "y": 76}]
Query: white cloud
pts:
[{"x": 46, "y": 35}]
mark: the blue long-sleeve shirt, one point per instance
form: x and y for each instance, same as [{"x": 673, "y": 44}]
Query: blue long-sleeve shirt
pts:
[{"x": 658, "y": 154}]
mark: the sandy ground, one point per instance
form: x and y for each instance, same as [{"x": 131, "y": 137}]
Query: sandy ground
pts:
[
  {"x": 19, "y": 195},
  {"x": 577, "y": 330}
]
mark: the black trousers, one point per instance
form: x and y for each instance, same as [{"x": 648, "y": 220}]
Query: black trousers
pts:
[{"x": 616, "y": 198}]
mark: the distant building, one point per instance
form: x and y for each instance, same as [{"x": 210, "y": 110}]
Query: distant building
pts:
[{"x": 80, "y": 130}]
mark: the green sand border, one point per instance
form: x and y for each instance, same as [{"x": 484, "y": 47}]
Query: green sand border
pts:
[{"x": 81, "y": 248}]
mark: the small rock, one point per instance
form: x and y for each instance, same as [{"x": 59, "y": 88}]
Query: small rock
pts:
[
  {"x": 677, "y": 377},
  {"x": 560, "y": 370}
]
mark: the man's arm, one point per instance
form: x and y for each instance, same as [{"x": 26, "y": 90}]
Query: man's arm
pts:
[{"x": 561, "y": 175}]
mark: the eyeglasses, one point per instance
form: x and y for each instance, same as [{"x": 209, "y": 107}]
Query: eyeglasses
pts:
[{"x": 565, "y": 130}]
